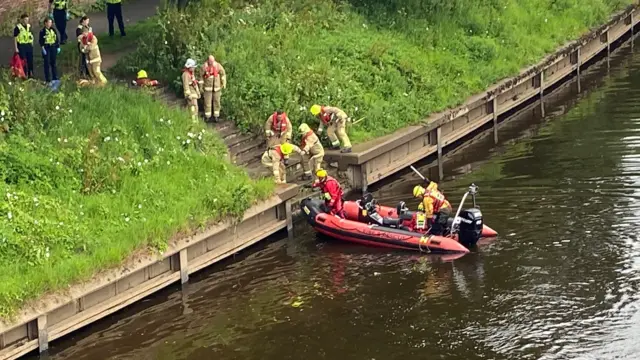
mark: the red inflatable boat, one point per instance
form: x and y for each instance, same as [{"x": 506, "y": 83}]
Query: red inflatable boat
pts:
[{"x": 389, "y": 230}]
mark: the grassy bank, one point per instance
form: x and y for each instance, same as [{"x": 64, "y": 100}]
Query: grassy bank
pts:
[
  {"x": 390, "y": 61},
  {"x": 90, "y": 175}
]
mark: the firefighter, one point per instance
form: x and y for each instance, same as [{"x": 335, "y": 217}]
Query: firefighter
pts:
[
  {"x": 190, "y": 87},
  {"x": 94, "y": 60},
  {"x": 60, "y": 14},
  {"x": 114, "y": 10},
  {"x": 437, "y": 209},
  {"x": 278, "y": 128},
  {"x": 48, "y": 40},
  {"x": 23, "y": 41},
  {"x": 336, "y": 122},
  {"x": 276, "y": 158},
  {"x": 143, "y": 80},
  {"x": 332, "y": 193},
  {"x": 214, "y": 80},
  {"x": 83, "y": 28},
  {"x": 312, "y": 150}
]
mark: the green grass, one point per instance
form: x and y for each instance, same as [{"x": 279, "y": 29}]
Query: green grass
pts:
[
  {"x": 393, "y": 62},
  {"x": 90, "y": 175}
]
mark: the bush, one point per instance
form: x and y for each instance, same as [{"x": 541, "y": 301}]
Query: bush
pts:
[
  {"x": 89, "y": 176},
  {"x": 390, "y": 61}
]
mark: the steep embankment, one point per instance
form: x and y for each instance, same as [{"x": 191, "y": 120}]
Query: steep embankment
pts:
[
  {"x": 392, "y": 62},
  {"x": 91, "y": 175}
]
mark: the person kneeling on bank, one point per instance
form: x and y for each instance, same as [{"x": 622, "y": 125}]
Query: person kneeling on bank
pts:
[
  {"x": 436, "y": 208},
  {"x": 276, "y": 158}
]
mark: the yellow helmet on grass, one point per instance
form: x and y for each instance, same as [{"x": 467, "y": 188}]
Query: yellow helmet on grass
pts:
[
  {"x": 286, "y": 148},
  {"x": 304, "y": 128},
  {"x": 418, "y": 191},
  {"x": 315, "y": 110},
  {"x": 142, "y": 74},
  {"x": 321, "y": 173}
]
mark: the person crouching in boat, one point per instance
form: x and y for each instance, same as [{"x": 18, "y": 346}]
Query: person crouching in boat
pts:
[
  {"x": 435, "y": 206},
  {"x": 332, "y": 192}
]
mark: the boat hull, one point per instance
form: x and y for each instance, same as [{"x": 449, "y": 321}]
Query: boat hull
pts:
[{"x": 374, "y": 235}]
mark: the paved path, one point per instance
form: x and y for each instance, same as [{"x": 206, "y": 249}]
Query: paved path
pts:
[{"x": 132, "y": 11}]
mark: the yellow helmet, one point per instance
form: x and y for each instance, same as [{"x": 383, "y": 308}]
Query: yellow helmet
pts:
[
  {"x": 286, "y": 148},
  {"x": 418, "y": 191},
  {"x": 142, "y": 74},
  {"x": 304, "y": 128},
  {"x": 321, "y": 173},
  {"x": 315, "y": 110}
]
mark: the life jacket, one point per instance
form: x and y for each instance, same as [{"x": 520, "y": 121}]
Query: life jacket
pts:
[
  {"x": 194, "y": 82},
  {"x": 439, "y": 200},
  {"x": 49, "y": 36},
  {"x": 324, "y": 117},
  {"x": 282, "y": 128},
  {"x": 210, "y": 71},
  {"x": 24, "y": 36},
  {"x": 327, "y": 195},
  {"x": 278, "y": 150},
  {"x": 87, "y": 38},
  {"x": 420, "y": 220},
  {"x": 306, "y": 136}
]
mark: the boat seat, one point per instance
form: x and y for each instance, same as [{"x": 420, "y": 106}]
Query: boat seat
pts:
[
  {"x": 407, "y": 216},
  {"x": 391, "y": 221}
]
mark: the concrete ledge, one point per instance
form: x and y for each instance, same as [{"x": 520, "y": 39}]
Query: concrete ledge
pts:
[
  {"x": 376, "y": 159},
  {"x": 55, "y": 315}
]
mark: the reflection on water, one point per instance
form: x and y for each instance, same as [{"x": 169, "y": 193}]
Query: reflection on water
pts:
[{"x": 561, "y": 281}]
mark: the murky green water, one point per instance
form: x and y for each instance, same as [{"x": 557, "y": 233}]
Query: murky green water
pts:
[{"x": 560, "y": 282}]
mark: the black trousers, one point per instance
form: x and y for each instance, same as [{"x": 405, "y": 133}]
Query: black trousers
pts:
[
  {"x": 26, "y": 54},
  {"x": 82, "y": 66},
  {"x": 115, "y": 11},
  {"x": 50, "y": 69},
  {"x": 60, "y": 19},
  {"x": 440, "y": 221}
]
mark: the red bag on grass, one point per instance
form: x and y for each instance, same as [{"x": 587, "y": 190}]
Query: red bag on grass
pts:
[{"x": 17, "y": 68}]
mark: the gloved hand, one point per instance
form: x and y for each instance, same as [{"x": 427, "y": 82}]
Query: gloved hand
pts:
[
  {"x": 68, "y": 15},
  {"x": 58, "y": 51},
  {"x": 303, "y": 153},
  {"x": 319, "y": 130},
  {"x": 44, "y": 52},
  {"x": 421, "y": 206},
  {"x": 286, "y": 162},
  {"x": 269, "y": 133},
  {"x": 51, "y": 15}
]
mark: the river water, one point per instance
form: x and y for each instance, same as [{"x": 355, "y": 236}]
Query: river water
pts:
[{"x": 560, "y": 282}]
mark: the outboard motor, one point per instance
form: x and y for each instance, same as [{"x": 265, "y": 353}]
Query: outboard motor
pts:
[{"x": 470, "y": 227}]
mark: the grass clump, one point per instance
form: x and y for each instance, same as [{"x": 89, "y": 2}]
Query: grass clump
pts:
[
  {"x": 390, "y": 61},
  {"x": 90, "y": 176}
]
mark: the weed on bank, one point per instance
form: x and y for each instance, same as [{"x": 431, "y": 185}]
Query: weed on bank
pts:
[
  {"x": 390, "y": 62},
  {"x": 90, "y": 175}
]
